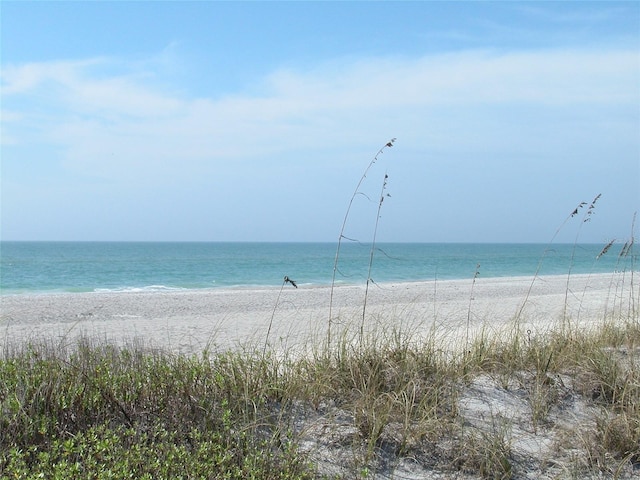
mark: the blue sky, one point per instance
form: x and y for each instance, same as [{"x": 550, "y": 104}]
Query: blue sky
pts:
[{"x": 254, "y": 121}]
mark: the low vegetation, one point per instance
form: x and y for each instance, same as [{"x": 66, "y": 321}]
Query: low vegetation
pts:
[{"x": 565, "y": 404}]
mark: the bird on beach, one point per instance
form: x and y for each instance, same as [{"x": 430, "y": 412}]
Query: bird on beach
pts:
[{"x": 288, "y": 280}]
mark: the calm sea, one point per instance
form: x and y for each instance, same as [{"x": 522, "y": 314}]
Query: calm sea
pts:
[{"x": 50, "y": 267}]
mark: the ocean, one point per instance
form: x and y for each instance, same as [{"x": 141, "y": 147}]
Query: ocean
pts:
[{"x": 55, "y": 267}]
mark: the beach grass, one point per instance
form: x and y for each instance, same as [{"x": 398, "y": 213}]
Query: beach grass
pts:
[{"x": 503, "y": 403}]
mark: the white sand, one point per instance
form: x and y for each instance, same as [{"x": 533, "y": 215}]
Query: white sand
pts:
[{"x": 190, "y": 321}]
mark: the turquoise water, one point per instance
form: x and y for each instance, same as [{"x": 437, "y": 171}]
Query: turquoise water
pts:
[{"x": 41, "y": 267}]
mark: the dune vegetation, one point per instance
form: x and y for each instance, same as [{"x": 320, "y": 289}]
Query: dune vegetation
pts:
[{"x": 390, "y": 404}]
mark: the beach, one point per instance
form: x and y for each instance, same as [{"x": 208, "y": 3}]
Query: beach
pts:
[
  {"x": 189, "y": 321},
  {"x": 407, "y": 374}
]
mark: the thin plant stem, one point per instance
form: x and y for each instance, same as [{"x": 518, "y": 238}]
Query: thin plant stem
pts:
[
  {"x": 544, "y": 254},
  {"x": 371, "y": 253},
  {"x": 273, "y": 314},
  {"x": 435, "y": 296},
  {"x": 586, "y": 218},
  {"x": 603, "y": 252},
  {"x": 632, "y": 299},
  {"x": 473, "y": 284},
  {"x": 341, "y": 236},
  {"x": 627, "y": 251},
  {"x": 621, "y": 256}
]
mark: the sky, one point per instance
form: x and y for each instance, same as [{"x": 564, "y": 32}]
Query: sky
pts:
[{"x": 256, "y": 121}]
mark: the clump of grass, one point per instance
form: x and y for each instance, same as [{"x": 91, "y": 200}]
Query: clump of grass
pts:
[{"x": 487, "y": 453}]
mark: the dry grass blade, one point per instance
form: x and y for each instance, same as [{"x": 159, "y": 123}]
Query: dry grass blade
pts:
[
  {"x": 389, "y": 144},
  {"x": 372, "y": 251}
]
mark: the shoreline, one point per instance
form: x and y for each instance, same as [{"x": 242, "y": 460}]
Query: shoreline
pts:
[
  {"x": 194, "y": 320},
  {"x": 160, "y": 289}
]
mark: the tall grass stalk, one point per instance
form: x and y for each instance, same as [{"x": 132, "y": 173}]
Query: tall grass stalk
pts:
[
  {"x": 389, "y": 144},
  {"x": 634, "y": 302},
  {"x": 544, "y": 254},
  {"x": 473, "y": 284},
  {"x": 622, "y": 257},
  {"x": 273, "y": 314},
  {"x": 586, "y": 218},
  {"x": 624, "y": 262},
  {"x": 372, "y": 251},
  {"x": 603, "y": 252}
]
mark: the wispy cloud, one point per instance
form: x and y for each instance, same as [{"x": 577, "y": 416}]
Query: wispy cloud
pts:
[
  {"x": 597, "y": 15},
  {"x": 558, "y": 77},
  {"x": 114, "y": 121},
  {"x": 91, "y": 86}
]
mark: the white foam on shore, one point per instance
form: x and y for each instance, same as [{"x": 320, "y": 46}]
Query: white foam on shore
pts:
[
  {"x": 192, "y": 320},
  {"x": 148, "y": 288}
]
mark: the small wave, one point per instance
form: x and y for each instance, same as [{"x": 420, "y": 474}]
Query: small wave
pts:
[{"x": 148, "y": 288}]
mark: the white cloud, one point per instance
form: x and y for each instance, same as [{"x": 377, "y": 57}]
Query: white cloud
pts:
[
  {"x": 597, "y": 15},
  {"x": 87, "y": 87},
  {"x": 555, "y": 77},
  {"x": 23, "y": 79},
  {"x": 114, "y": 121}
]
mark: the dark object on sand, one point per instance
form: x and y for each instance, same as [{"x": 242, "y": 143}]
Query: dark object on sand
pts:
[{"x": 288, "y": 280}]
